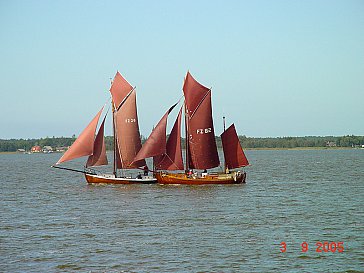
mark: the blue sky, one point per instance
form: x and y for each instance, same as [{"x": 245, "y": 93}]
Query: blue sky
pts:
[{"x": 276, "y": 68}]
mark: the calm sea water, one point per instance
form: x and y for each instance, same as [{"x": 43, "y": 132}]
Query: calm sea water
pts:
[{"x": 52, "y": 221}]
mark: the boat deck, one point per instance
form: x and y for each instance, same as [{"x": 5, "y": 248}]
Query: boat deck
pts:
[
  {"x": 219, "y": 178},
  {"x": 111, "y": 179}
]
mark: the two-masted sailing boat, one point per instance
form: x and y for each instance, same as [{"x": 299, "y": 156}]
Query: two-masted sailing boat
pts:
[
  {"x": 127, "y": 142},
  {"x": 201, "y": 149}
]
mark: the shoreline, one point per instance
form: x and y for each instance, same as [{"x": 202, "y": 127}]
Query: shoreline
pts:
[
  {"x": 302, "y": 148},
  {"x": 248, "y": 149}
]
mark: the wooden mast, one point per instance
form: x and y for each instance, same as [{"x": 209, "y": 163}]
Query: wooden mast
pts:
[
  {"x": 186, "y": 130},
  {"x": 153, "y": 166},
  {"x": 186, "y": 139},
  {"x": 115, "y": 141},
  {"x": 113, "y": 131},
  {"x": 223, "y": 118}
]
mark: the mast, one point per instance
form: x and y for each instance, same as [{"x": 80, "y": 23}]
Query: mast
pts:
[
  {"x": 186, "y": 138},
  {"x": 114, "y": 134},
  {"x": 186, "y": 128},
  {"x": 113, "y": 130},
  {"x": 223, "y": 118}
]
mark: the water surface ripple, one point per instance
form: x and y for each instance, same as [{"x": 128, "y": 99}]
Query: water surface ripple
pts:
[{"x": 52, "y": 221}]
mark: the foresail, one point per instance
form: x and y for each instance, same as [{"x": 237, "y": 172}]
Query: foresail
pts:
[
  {"x": 127, "y": 133},
  {"x": 98, "y": 157},
  {"x": 119, "y": 90},
  {"x": 233, "y": 153},
  {"x": 172, "y": 158},
  {"x": 84, "y": 144},
  {"x": 202, "y": 151},
  {"x": 156, "y": 142}
]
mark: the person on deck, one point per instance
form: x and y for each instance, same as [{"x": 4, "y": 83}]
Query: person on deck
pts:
[
  {"x": 146, "y": 170},
  {"x": 204, "y": 173}
]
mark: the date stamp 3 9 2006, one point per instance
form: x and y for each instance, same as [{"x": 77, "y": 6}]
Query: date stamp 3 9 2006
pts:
[{"x": 319, "y": 246}]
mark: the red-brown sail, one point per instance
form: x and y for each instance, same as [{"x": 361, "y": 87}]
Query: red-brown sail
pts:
[
  {"x": 84, "y": 144},
  {"x": 156, "y": 142},
  {"x": 194, "y": 93},
  {"x": 127, "y": 132},
  {"x": 120, "y": 88},
  {"x": 233, "y": 153},
  {"x": 202, "y": 151},
  {"x": 98, "y": 157},
  {"x": 118, "y": 163},
  {"x": 172, "y": 158}
]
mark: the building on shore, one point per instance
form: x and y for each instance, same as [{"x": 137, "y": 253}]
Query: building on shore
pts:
[
  {"x": 36, "y": 149},
  {"x": 47, "y": 149},
  {"x": 330, "y": 144}
]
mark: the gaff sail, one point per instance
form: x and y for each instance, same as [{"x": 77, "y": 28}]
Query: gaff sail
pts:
[
  {"x": 202, "y": 150},
  {"x": 127, "y": 133},
  {"x": 233, "y": 153}
]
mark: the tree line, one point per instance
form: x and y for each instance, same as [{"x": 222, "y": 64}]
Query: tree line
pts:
[
  {"x": 302, "y": 142},
  {"x": 12, "y": 145}
]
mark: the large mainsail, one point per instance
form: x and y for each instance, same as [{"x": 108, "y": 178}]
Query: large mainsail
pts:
[
  {"x": 127, "y": 132},
  {"x": 202, "y": 151},
  {"x": 84, "y": 144},
  {"x": 233, "y": 153},
  {"x": 98, "y": 156}
]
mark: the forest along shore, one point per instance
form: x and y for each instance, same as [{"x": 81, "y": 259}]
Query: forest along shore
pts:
[
  {"x": 248, "y": 149},
  {"x": 60, "y": 144}
]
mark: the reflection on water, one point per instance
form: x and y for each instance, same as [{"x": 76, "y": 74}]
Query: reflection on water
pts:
[{"x": 51, "y": 220}]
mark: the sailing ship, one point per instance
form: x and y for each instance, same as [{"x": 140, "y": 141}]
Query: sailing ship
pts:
[
  {"x": 201, "y": 151},
  {"x": 127, "y": 142}
]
